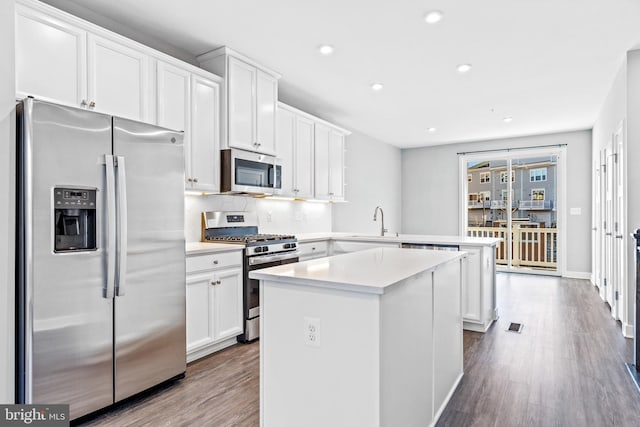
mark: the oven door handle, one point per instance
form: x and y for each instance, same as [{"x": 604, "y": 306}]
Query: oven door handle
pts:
[{"x": 265, "y": 259}]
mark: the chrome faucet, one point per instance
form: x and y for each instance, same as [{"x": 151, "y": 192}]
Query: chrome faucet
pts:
[{"x": 375, "y": 215}]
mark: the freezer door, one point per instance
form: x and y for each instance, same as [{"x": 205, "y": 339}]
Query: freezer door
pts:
[
  {"x": 66, "y": 355},
  {"x": 150, "y": 342}
]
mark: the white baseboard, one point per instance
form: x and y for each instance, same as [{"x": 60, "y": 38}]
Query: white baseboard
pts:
[
  {"x": 577, "y": 275},
  {"x": 627, "y": 330}
]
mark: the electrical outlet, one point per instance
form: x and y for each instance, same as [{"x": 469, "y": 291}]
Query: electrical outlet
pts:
[{"x": 312, "y": 331}]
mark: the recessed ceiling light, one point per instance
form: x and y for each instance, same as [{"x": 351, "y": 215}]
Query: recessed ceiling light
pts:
[
  {"x": 377, "y": 86},
  {"x": 463, "y": 68},
  {"x": 507, "y": 119},
  {"x": 433, "y": 17},
  {"x": 326, "y": 49},
  {"x": 431, "y": 130}
]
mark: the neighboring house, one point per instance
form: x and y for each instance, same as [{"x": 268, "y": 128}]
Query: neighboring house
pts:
[{"x": 533, "y": 192}]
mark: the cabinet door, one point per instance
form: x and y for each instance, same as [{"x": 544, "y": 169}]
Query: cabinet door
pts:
[
  {"x": 241, "y": 79},
  {"x": 336, "y": 165},
  {"x": 200, "y": 297},
  {"x": 321, "y": 161},
  {"x": 304, "y": 157},
  {"x": 286, "y": 135},
  {"x": 266, "y": 101},
  {"x": 118, "y": 79},
  {"x": 50, "y": 58},
  {"x": 173, "y": 98},
  {"x": 205, "y": 134},
  {"x": 472, "y": 284},
  {"x": 228, "y": 304}
]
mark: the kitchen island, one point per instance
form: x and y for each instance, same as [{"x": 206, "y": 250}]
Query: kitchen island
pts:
[
  {"x": 479, "y": 308},
  {"x": 370, "y": 338}
]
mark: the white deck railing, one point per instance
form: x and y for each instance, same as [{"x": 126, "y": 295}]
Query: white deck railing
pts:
[{"x": 532, "y": 247}]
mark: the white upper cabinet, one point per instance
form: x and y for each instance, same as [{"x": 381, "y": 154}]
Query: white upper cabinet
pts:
[
  {"x": 250, "y": 100},
  {"x": 329, "y": 163},
  {"x": 304, "y": 158},
  {"x": 51, "y": 58},
  {"x": 63, "y": 59},
  {"x": 266, "y": 102},
  {"x": 204, "y": 166},
  {"x": 241, "y": 105},
  {"x": 286, "y": 142},
  {"x": 191, "y": 102},
  {"x": 118, "y": 79},
  {"x": 59, "y": 59},
  {"x": 295, "y": 152}
]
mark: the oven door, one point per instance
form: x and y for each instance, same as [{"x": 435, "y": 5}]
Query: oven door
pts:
[{"x": 252, "y": 290}]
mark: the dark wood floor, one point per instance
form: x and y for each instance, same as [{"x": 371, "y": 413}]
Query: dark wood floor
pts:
[{"x": 566, "y": 368}]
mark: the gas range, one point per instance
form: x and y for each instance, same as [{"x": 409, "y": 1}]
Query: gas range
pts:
[
  {"x": 261, "y": 251},
  {"x": 242, "y": 228}
]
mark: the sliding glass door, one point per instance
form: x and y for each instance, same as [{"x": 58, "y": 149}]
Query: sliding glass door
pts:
[{"x": 514, "y": 196}]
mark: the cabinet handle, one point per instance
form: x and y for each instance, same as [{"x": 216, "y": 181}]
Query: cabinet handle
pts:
[
  {"x": 331, "y": 194},
  {"x": 213, "y": 282},
  {"x": 83, "y": 103},
  {"x": 313, "y": 249},
  {"x": 217, "y": 282},
  {"x": 92, "y": 104},
  {"x": 189, "y": 180},
  {"x": 215, "y": 261},
  {"x": 195, "y": 179}
]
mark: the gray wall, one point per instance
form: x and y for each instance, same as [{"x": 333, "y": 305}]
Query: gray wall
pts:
[
  {"x": 373, "y": 178},
  {"x": 430, "y": 186},
  {"x": 7, "y": 182}
]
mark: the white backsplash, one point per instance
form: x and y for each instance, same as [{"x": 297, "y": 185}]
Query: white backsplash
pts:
[{"x": 274, "y": 216}]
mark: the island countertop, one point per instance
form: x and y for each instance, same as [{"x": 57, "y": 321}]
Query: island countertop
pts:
[
  {"x": 370, "y": 271},
  {"x": 401, "y": 238}
]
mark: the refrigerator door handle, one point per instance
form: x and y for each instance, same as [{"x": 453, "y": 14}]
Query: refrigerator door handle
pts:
[
  {"x": 122, "y": 222},
  {"x": 108, "y": 290}
]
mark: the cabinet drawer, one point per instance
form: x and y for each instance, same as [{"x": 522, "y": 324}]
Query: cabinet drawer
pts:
[
  {"x": 313, "y": 249},
  {"x": 214, "y": 261}
]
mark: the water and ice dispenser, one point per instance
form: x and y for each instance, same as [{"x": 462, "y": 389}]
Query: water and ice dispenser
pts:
[{"x": 74, "y": 219}]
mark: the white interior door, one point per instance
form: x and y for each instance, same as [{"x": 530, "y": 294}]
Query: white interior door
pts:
[
  {"x": 620, "y": 234},
  {"x": 608, "y": 229},
  {"x": 596, "y": 242},
  {"x": 603, "y": 224}
]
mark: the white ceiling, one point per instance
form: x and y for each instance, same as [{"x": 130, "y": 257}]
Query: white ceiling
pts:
[{"x": 547, "y": 63}]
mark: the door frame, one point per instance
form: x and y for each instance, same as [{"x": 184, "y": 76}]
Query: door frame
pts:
[{"x": 508, "y": 155}]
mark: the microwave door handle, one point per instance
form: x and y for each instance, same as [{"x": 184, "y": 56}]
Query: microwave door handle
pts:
[
  {"x": 122, "y": 222},
  {"x": 108, "y": 290}
]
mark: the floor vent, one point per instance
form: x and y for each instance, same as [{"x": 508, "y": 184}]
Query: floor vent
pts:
[{"x": 515, "y": 327}]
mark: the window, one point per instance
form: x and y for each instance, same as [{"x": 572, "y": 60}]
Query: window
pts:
[
  {"x": 469, "y": 178},
  {"x": 485, "y": 177},
  {"x": 473, "y": 197},
  {"x": 537, "y": 175},
  {"x": 503, "y": 177},
  {"x": 537, "y": 194},
  {"x": 484, "y": 195}
]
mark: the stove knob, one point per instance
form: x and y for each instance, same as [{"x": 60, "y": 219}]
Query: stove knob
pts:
[
  {"x": 293, "y": 245},
  {"x": 265, "y": 249},
  {"x": 258, "y": 249}
]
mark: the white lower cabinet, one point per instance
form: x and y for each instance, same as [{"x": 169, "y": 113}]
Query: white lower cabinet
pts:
[
  {"x": 479, "y": 308},
  {"x": 313, "y": 250},
  {"x": 214, "y": 302}
]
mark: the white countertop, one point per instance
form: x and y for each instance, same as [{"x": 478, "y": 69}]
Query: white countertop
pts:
[
  {"x": 369, "y": 271},
  {"x": 402, "y": 238},
  {"x": 196, "y": 248}
]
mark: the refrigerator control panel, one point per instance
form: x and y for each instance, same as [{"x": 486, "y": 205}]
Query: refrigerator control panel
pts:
[{"x": 74, "y": 215}]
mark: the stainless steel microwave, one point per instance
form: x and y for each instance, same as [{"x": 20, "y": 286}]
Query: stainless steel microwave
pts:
[{"x": 247, "y": 172}]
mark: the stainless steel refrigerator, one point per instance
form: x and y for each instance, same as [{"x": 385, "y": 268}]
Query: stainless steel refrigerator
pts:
[{"x": 101, "y": 257}]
